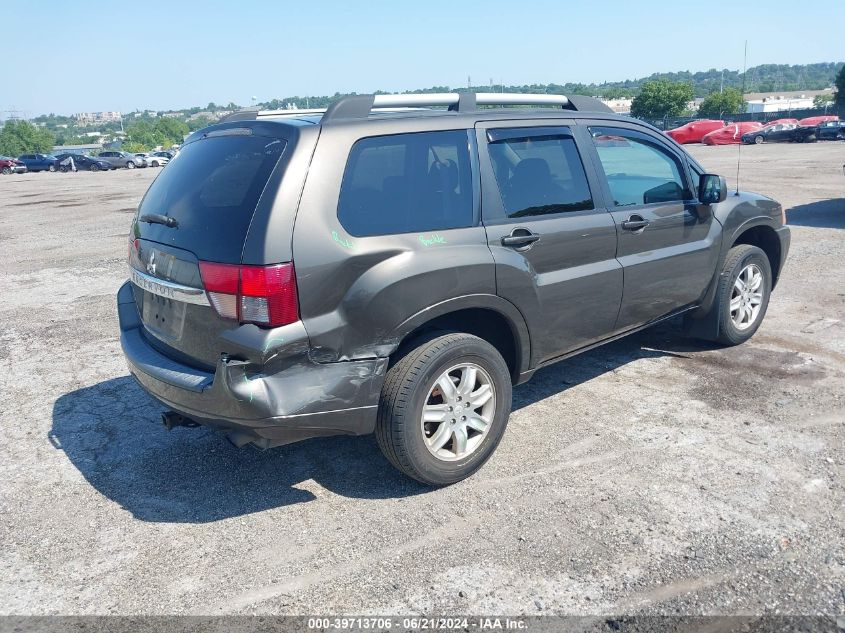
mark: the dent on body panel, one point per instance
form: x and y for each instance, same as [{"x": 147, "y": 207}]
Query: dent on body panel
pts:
[{"x": 380, "y": 294}]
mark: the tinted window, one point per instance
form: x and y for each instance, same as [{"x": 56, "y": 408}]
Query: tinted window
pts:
[
  {"x": 638, "y": 170},
  {"x": 407, "y": 183},
  {"x": 538, "y": 174},
  {"x": 212, "y": 189}
]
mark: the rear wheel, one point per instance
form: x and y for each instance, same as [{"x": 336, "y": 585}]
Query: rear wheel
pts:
[
  {"x": 744, "y": 288},
  {"x": 154, "y": 163},
  {"x": 94, "y": 167},
  {"x": 444, "y": 408},
  {"x": 7, "y": 171},
  {"x": 51, "y": 168}
]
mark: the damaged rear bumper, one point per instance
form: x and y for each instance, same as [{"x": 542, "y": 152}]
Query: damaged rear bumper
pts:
[{"x": 267, "y": 397}]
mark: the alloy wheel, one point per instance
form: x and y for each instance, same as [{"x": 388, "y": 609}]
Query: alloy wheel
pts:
[
  {"x": 747, "y": 297},
  {"x": 458, "y": 412}
]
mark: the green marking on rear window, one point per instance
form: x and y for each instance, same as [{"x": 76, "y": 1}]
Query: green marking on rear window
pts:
[
  {"x": 432, "y": 239},
  {"x": 344, "y": 243}
]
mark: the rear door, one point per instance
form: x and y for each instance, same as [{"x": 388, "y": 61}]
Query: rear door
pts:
[
  {"x": 554, "y": 246},
  {"x": 667, "y": 241}
]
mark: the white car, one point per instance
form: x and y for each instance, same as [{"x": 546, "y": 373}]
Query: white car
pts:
[{"x": 153, "y": 160}]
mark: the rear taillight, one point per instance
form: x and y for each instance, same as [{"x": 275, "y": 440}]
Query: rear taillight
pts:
[{"x": 264, "y": 295}]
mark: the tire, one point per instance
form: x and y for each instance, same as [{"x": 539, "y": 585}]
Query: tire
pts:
[
  {"x": 735, "y": 329},
  {"x": 63, "y": 169},
  {"x": 413, "y": 381},
  {"x": 7, "y": 171},
  {"x": 759, "y": 140},
  {"x": 94, "y": 167},
  {"x": 130, "y": 165},
  {"x": 51, "y": 168},
  {"x": 154, "y": 163}
]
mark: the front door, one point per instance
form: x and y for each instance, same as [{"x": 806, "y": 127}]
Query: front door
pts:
[
  {"x": 668, "y": 244},
  {"x": 553, "y": 246}
]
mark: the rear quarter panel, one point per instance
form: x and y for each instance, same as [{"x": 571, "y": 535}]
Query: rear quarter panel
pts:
[{"x": 356, "y": 293}]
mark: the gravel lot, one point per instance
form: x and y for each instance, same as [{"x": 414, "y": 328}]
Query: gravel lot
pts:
[{"x": 654, "y": 475}]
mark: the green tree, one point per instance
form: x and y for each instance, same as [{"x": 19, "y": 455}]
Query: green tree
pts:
[
  {"x": 661, "y": 98},
  {"x": 199, "y": 123},
  {"x": 172, "y": 130},
  {"x": 718, "y": 104},
  {"x": 820, "y": 101},
  {"x": 21, "y": 137},
  {"x": 840, "y": 88}
]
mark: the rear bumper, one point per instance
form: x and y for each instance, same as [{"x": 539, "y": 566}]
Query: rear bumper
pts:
[{"x": 283, "y": 398}]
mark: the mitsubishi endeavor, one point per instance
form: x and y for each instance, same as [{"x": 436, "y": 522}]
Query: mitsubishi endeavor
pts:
[{"x": 395, "y": 264}]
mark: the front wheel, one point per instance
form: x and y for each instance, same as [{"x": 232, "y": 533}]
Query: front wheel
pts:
[
  {"x": 51, "y": 168},
  {"x": 743, "y": 294},
  {"x": 130, "y": 165},
  {"x": 7, "y": 171},
  {"x": 94, "y": 168},
  {"x": 759, "y": 139},
  {"x": 444, "y": 408}
]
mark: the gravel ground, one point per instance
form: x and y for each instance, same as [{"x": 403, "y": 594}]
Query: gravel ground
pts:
[{"x": 653, "y": 475}]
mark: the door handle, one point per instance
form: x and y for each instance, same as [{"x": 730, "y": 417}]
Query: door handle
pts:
[
  {"x": 635, "y": 223},
  {"x": 520, "y": 239}
]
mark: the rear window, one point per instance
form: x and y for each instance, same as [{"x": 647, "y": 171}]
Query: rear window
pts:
[
  {"x": 211, "y": 188},
  {"x": 407, "y": 183}
]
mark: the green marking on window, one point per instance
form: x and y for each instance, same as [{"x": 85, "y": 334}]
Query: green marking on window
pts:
[
  {"x": 434, "y": 238},
  {"x": 344, "y": 243}
]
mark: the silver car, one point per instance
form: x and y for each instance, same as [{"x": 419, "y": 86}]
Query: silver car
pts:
[{"x": 121, "y": 159}]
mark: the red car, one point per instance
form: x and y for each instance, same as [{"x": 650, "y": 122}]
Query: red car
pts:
[
  {"x": 10, "y": 165},
  {"x": 730, "y": 134},
  {"x": 694, "y": 131},
  {"x": 779, "y": 121},
  {"x": 815, "y": 120}
]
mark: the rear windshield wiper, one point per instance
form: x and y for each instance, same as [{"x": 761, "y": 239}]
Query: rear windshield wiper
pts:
[{"x": 157, "y": 218}]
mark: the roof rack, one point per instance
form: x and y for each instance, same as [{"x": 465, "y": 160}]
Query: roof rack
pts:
[{"x": 360, "y": 106}]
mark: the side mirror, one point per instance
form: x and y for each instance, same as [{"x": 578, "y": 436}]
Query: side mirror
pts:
[{"x": 712, "y": 189}]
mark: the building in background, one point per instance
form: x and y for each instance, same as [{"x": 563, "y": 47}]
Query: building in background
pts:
[
  {"x": 96, "y": 118},
  {"x": 761, "y": 102}
]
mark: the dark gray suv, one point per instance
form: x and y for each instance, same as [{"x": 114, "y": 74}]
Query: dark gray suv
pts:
[{"x": 384, "y": 267}]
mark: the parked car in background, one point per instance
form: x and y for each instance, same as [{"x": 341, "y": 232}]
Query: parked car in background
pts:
[
  {"x": 154, "y": 161},
  {"x": 816, "y": 120},
  {"x": 830, "y": 130},
  {"x": 779, "y": 121},
  {"x": 39, "y": 162},
  {"x": 694, "y": 131},
  {"x": 164, "y": 154},
  {"x": 85, "y": 163},
  {"x": 730, "y": 134},
  {"x": 780, "y": 133},
  {"x": 121, "y": 159},
  {"x": 9, "y": 165}
]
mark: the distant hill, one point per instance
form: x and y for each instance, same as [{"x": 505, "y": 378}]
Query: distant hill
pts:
[{"x": 763, "y": 78}]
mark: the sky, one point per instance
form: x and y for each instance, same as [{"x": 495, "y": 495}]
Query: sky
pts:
[{"x": 169, "y": 55}]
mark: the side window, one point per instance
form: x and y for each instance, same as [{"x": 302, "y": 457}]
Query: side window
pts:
[
  {"x": 638, "y": 170},
  {"x": 407, "y": 183},
  {"x": 538, "y": 172}
]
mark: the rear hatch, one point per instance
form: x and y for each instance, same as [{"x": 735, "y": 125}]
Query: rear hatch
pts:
[{"x": 188, "y": 237}]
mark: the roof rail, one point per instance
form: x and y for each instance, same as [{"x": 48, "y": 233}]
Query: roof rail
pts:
[{"x": 360, "y": 106}]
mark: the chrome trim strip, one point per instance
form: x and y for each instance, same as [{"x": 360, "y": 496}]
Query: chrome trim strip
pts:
[{"x": 168, "y": 289}]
